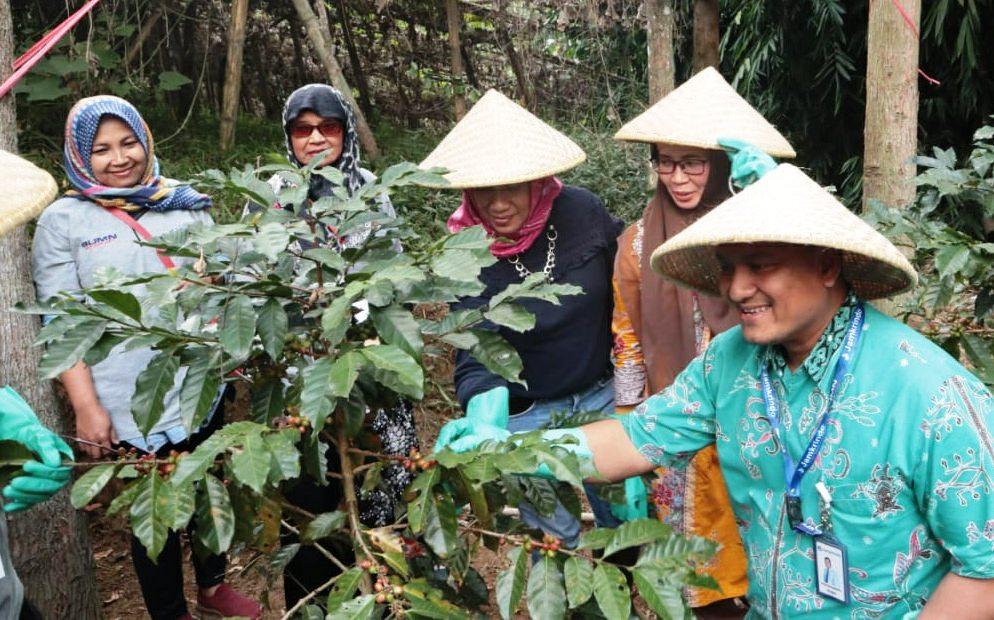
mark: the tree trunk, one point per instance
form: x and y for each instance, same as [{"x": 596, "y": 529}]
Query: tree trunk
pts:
[
  {"x": 453, "y": 15},
  {"x": 517, "y": 65},
  {"x": 659, "y": 15},
  {"x": 660, "y": 65},
  {"x": 143, "y": 35},
  {"x": 335, "y": 76},
  {"x": 50, "y": 543},
  {"x": 891, "y": 104},
  {"x": 233, "y": 73},
  {"x": 467, "y": 58},
  {"x": 365, "y": 101},
  {"x": 706, "y": 35},
  {"x": 298, "y": 51}
]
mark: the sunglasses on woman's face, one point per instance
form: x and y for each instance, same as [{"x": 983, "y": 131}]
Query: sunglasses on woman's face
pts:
[{"x": 328, "y": 129}]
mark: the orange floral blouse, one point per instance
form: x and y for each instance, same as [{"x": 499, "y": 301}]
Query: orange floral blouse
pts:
[{"x": 693, "y": 498}]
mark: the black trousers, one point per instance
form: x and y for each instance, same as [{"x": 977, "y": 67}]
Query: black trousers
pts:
[
  {"x": 162, "y": 581},
  {"x": 309, "y": 568}
]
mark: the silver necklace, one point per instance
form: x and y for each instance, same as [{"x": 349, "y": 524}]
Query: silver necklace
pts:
[{"x": 550, "y": 257}]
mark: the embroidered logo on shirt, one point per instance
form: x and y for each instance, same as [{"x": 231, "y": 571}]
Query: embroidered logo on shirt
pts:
[{"x": 97, "y": 242}]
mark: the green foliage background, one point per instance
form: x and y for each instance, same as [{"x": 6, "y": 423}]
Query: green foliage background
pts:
[{"x": 800, "y": 63}]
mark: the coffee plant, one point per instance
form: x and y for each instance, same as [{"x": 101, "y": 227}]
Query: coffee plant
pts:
[
  {"x": 947, "y": 235},
  {"x": 320, "y": 336}
]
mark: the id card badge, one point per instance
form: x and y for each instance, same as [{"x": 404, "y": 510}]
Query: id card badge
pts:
[{"x": 831, "y": 568}]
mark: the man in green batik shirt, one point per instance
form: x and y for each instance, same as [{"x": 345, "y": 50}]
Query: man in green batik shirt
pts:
[{"x": 901, "y": 484}]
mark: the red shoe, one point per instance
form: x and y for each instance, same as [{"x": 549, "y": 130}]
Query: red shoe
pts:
[{"x": 228, "y": 603}]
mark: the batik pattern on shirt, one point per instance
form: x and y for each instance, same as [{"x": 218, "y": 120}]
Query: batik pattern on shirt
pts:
[{"x": 908, "y": 460}]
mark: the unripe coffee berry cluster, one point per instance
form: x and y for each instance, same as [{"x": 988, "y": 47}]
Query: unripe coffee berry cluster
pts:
[
  {"x": 129, "y": 454},
  {"x": 148, "y": 462},
  {"x": 387, "y": 589},
  {"x": 415, "y": 462},
  {"x": 292, "y": 420},
  {"x": 548, "y": 547}
]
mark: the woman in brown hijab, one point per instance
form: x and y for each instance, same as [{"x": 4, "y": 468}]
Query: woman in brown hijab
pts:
[{"x": 660, "y": 327}]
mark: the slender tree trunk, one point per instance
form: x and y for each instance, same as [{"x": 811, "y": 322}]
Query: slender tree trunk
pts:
[
  {"x": 143, "y": 35},
  {"x": 233, "y": 72},
  {"x": 50, "y": 543},
  {"x": 384, "y": 27},
  {"x": 321, "y": 12},
  {"x": 414, "y": 46},
  {"x": 662, "y": 74},
  {"x": 706, "y": 34},
  {"x": 467, "y": 58},
  {"x": 453, "y": 15},
  {"x": 505, "y": 40},
  {"x": 298, "y": 50},
  {"x": 660, "y": 65},
  {"x": 334, "y": 71},
  {"x": 891, "y": 127},
  {"x": 365, "y": 101},
  {"x": 194, "y": 21}
]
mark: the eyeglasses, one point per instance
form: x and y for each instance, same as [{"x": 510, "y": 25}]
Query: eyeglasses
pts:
[
  {"x": 328, "y": 129},
  {"x": 691, "y": 166}
]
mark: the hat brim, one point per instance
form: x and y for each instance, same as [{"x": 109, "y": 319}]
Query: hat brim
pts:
[
  {"x": 788, "y": 207},
  {"x": 698, "y": 268},
  {"x": 27, "y": 190}
]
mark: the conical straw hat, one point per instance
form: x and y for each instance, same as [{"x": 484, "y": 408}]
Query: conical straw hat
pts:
[
  {"x": 25, "y": 191},
  {"x": 786, "y": 206},
  {"x": 701, "y": 110},
  {"x": 498, "y": 143}
]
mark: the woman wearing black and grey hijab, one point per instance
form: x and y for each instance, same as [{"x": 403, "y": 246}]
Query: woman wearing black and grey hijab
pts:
[{"x": 317, "y": 119}]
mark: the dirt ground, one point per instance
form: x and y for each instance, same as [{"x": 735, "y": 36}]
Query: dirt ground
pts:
[{"x": 119, "y": 592}]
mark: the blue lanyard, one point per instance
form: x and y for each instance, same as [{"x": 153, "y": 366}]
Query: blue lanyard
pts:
[{"x": 794, "y": 473}]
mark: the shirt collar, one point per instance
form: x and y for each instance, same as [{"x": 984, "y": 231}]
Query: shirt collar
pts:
[{"x": 816, "y": 364}]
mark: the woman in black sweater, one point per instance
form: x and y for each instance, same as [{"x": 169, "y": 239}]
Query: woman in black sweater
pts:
[{"x": 504, "y": 159}]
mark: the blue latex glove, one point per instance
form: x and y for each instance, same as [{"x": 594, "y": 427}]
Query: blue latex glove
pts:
[
  {"x": 38, "y": 480},
  {"x": 487, "y": 409},
  {"x": 749, "y": 162}
]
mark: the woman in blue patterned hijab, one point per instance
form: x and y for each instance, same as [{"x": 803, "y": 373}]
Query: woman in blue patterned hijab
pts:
[
  {"x": 111, "y": 164},
  {"x": 144, "y": 188}
]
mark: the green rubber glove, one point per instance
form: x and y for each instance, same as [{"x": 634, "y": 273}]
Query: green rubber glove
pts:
[
  {"x": 468, "y": 436},
  {"x": 636, "y": 498},
  {"x": 749, "y": 162},
  {"x": 38, "y": 480},
  {"x": 487, "y": 409},
  {"x": 472, "y": 438},
  {"x": 636, "y": 504}
]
